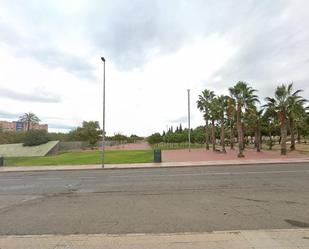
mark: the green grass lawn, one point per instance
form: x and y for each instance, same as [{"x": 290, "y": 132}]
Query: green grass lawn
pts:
[{"x": 84, "y": 157}]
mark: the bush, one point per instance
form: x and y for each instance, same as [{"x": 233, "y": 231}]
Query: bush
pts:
[
  {"x": 10, "y": 137},
  {"x": 155, "y": 138},
  {"x": 35, "y": 137}
]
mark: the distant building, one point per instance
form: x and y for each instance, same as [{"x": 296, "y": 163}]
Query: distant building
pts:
[{"x": 20, "y": 126}]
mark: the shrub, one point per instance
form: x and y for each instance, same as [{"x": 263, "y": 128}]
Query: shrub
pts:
[
  {"x": 35, "y": 137},
  {"x": 155, "y": 138}
]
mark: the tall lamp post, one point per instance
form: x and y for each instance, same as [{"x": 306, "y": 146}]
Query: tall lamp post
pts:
[
  {"x": 103, "y": 125},
  {"x": 189, "y": 134}
]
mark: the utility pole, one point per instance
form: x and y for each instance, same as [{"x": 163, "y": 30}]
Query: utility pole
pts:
[
  {"x": 103, "y": 125},
  {"x": 189, "y": 134}
]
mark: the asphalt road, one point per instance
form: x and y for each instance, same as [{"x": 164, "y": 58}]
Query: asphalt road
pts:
[{"x": 169, "y": 200}]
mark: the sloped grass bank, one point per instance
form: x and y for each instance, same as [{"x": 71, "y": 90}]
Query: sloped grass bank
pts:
[
  {"x": 18, "y": 150},
  {"x": 83, "y": 157}
]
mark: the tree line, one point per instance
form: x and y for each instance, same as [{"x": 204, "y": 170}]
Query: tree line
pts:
[
  {"x": 178, "y": 135},
  {"x": 241, "y": 108},
  {"x": 234, "y": 118},
  {"x": 89, "y": 131}
]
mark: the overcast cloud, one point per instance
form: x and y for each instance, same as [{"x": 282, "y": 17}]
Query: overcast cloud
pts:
[
  {"x": 155, "y": 50},
  {"x": 34, "y": 96}
]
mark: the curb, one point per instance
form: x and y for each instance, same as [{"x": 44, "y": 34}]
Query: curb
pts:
[
  {"x": 275, "y": 230},
  {"x": 207, "y": 164}
]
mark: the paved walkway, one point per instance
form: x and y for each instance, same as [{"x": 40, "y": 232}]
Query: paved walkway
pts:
[
  {"x": 260, "y": 239},
  {"x": 157, "y": 165}
]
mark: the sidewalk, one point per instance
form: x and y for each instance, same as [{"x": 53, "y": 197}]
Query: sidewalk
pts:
[
  {"x": 156, "y": 165},
  {"x": 256, "y": 239}
]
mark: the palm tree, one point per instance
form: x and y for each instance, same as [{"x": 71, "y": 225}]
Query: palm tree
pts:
[
  {"x": 255, "y": 120},
  {"x": 283, "y": 104},
  {"x": 230, "y": 112},
  {"x": 214, "y": 114},
  {"x": 29, "y": 118},
  {"x": 300, "y": 122},
  {"x": 203, "y": 104},
  {"x": 270, "y": 122},
  {"x": 295, "y": 111},
  {"x": 245, "y": 98},
  {"x": 222, "y": 106},
  {"x": 303, "y": 127}
]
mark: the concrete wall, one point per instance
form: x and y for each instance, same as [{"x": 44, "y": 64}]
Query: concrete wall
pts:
[{"x": 54, "y": 150}]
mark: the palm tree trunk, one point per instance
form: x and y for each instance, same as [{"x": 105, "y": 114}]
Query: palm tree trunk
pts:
[
  {"x": 292, "y": 147},
  {"x": 213, "y": 135},
  {"x": 258, "y": 137},
  {"x": 222, "y": 133},
  {"x": 283, "y": 136},
  {"x": 232, "y": 136},
  {"x": 28, "y": 125},
  {"x": 244, "y": 138},
  {"x": 206, "y": 134},
  {"x": 298, "y": 135},
  {"x": 240, "y": 134},
  {"x": 270, "y": 140}
]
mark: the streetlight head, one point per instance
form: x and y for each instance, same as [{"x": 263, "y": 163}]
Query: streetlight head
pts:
[{"x": 103, "y": 59}]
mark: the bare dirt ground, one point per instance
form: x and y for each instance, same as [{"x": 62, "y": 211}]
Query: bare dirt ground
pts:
[
  {"x": 209, "y": 155},
  {"x": 183, "y": 155},
  {"x": 131, "y": 146}
]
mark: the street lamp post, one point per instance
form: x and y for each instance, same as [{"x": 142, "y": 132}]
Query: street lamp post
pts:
[
  {"x": 103, "y": 125},
  {"x": 189, "y": 134}
]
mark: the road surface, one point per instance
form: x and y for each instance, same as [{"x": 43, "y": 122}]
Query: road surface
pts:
[{"x": 169, "y": 200}]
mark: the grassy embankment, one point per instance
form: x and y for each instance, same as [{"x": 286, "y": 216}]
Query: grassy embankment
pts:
[{"x": 84, "y": 157}]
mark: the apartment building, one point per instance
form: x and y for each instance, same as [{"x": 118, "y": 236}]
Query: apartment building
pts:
[{"x": 20, "y": 126}]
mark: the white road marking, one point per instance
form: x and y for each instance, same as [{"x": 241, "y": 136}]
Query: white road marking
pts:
[
  {"x": 87, "y": 177},
  {"x": 50, "y": 178},
  {"x": 214, "y": 174},
  {"x": 11, "y": 179}
]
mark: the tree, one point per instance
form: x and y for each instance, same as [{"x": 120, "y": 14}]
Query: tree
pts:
[
  {"x": 255, "y": 119},
  {"x": 214, "y": 114},
  {"x": 10, "y": 137},
  {"x": 180, "y": 128},
  {"x": 222, "y": 105},
  {"x": 155, "y": 138},
  {"x": 296, "y": 112},
  {"x": 90, "y": 131},
  {"x": 119, "y": 138},
  {"x": 245, "y": 98},
  {"x": 29, "y": 118},
  {"x": 282, "y": 105},
  {"x": 230, "y": 112},
  {"x": 35, "y": 137},
  {"x": 270, "y": 123},
  {"x": 303, "y": 128},
  {"x": 203, "y": 104},
  {"x": 199, "y": 134}
]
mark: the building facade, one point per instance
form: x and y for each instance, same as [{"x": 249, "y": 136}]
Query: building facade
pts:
[{"x": 20, "y": 126}]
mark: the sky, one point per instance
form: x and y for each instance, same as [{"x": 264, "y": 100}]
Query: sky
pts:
[{"x": 155, "y": 50}]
